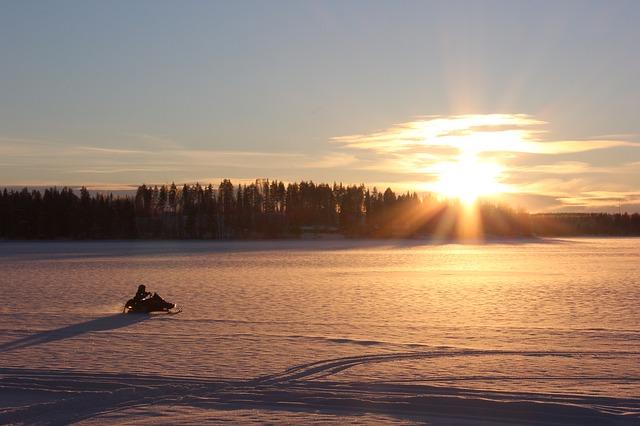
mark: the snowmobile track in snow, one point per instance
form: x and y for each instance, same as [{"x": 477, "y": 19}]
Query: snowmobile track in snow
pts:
[{"x": 66, "y": 396}]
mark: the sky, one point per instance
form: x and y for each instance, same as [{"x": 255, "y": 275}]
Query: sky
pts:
[{"x": 113, "y": 94}]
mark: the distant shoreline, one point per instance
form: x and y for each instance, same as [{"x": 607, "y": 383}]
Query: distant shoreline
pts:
[
  {"x": 419, "y": 240},
  {"x": 273, "y": 211}
]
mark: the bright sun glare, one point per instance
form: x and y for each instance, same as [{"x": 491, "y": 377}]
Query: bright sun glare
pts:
[{"x": 468, "y": 179}]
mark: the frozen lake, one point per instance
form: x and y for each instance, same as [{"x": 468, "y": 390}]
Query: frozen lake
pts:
[{"x": 324, "y": 331}]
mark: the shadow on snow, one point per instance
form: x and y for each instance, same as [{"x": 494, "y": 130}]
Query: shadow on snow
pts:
[{"x": 110, "y": 322}]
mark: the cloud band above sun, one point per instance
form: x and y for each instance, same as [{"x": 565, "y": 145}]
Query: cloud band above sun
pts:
[{"x": 479, "y": 133}]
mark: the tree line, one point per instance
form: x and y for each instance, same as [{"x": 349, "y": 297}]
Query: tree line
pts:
[{"x": 273, "y": 209}]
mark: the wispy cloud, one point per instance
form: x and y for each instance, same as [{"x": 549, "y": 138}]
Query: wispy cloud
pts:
[
  {"x": 151, "y": 141},
  {"x": 85, "y": 164},
  {"x": 517, "y": 133},
  {"x": 602, "y": 198},
  {"x": 111, "y": 150},
  {"x": 116, "y": 170},
  {"x": 331, "y": 160},
  {"x": 561, "y": 168}
]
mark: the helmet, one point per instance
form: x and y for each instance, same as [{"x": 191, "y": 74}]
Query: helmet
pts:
[{"x": 141, "y": 287}]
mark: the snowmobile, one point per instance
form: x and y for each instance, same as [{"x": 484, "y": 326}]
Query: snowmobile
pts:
[{"x": 154, "y": 303}]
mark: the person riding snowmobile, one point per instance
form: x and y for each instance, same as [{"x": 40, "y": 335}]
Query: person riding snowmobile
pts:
[
  {"x": 144, "y": 302},
  {"x": 141, "y": 294}
]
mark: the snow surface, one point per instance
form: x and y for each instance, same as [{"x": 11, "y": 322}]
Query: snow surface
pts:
[{"x": 333, "y": 332}]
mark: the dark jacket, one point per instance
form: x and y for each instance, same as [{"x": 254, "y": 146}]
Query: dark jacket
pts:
[{"x": 140, "y": 295}]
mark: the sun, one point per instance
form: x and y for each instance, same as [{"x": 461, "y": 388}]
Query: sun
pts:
[{"x": 468, "y": 179}]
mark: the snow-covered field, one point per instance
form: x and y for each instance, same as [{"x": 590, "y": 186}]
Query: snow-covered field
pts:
[{"x": 328, "y": 332}]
